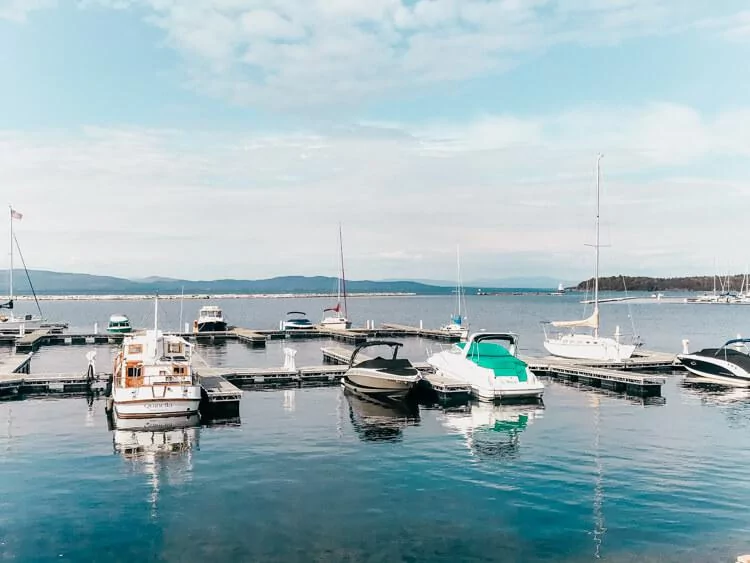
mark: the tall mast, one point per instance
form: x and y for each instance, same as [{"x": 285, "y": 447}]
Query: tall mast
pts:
[
  {"x": 596, "y": 268},
  {"x": 343, "y": 276},
  {"x": 10, "y": 273},
  {"x": 458, "y": 278},
  {"x": 156, "y": 312}
]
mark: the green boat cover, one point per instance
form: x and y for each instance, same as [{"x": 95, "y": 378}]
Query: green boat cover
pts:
[{"x": 497, "y": 358}]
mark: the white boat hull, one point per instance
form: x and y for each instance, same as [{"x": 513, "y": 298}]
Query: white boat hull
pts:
[
  {"x": 370, "y": 382},
  {"x": 584, "y": 347},
  {"x": 14, "y": 325},
  {"x": 157, "y": 401},
  {"x": 335, "y": 323},
  {"x": 483, "y": 382}
]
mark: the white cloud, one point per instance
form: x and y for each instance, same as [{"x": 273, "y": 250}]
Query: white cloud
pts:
[
  {"x": 304, "y": 53},
  {"x": 18, "y": 10},
  {"x": 517, "y": 194}
]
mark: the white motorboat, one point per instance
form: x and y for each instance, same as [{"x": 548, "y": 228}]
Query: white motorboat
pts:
[
  {"x": 560, "y": 290},
  {"x": 388, "y": 378},
  {"x": 210, "y": 319},
  {"x": 153, "y": 376},
  {"x": 456, "y": 327},
  {"x": 588, "y": 346},
  {"x": 339, "y": 317},
  {"x": 488, "y": 362},
  {"x": 728, "y": 365},
  {"x": 297, "y": 320}
]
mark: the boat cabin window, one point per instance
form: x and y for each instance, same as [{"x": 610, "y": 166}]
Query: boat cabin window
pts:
[
  {"x": 135, "y": 349},
  {"x": 174, "y": 348},
  {"x": 133, "y": 371},
  {"x": 179, "y": 370},
  {"x": 162, "y": 372}
]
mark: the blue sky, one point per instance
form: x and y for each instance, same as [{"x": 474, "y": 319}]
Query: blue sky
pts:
[{"x": 419, "y": 124}]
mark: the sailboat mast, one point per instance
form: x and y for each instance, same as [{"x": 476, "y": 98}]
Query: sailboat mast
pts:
[
  {"x": 10, "y": 273},
  {"x": 156, "y": 312},
  {"x": 343, "y": 275},
  {"x": 596, "y": 267},
  {"x": 458, "y": 278}
]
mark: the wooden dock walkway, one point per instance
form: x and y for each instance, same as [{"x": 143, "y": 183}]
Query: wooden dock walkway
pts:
[
  {"x": 405, "y": 330},
  {"x": 341, "y": 355},
  {"x": 30, "y": 342}
]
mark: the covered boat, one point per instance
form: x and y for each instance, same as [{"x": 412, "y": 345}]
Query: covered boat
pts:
[
  {"x": 385, "y": 377},
  {"x": 488, "y": 363},
  {"x": 729, "y": 364}
]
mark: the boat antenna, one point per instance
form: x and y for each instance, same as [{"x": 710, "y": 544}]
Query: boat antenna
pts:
[
  {"x": 182, "y": 299},
  {"x": 28, "y": 278},
  {"x": 596, "y": 246},
  {"x": 343, "y": 275}
]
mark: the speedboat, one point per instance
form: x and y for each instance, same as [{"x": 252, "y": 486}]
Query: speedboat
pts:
[
  {"x": 488, "y": 362},
  {"x": 119, "y": 324},
  {"x": 210, "y": 319},
  {"x": 592, "y": 346},
  {"x": 729, "y": 365},
  {"x": 153, "y": 376},
  {"x": 298, "y": 321},
  {"x": 387, "y": 378}
]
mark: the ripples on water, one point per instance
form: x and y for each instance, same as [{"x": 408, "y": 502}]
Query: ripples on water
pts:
[{"x": 320, "y": 475}]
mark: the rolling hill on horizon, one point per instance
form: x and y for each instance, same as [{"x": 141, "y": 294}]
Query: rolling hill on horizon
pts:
[{"x": 47, "y": 282}]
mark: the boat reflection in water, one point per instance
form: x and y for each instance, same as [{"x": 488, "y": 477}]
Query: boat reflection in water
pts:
[
  {"x": 492, "y": 431},
  {"x": 158, "y": 448},
  {"x": 379, "y": 419}
]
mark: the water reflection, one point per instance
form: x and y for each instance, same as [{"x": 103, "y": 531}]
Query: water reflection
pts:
[
  {"x": 158, "y": 448},
  {"x": 378, "y": 419},
  {"x": 492, "y": 431},
  {"x": 734, "y": 402}
]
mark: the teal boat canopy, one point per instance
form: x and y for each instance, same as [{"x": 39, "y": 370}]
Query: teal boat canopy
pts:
[{"x": 496, "y": 357}]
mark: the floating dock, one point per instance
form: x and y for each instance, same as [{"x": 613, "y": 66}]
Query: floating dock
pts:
[{"x": 405, "y": 330}]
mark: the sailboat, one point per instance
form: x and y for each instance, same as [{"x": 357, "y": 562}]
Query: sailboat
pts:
[
  {"x": 339, "y": 317},
  {"x": 588, "y": 346},
  {"x": 456, "y": 326},
  {"x": 10, "y": 322}
]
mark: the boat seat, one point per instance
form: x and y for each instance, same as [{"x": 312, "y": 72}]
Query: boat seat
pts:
[{"x": 497, "y": 358}]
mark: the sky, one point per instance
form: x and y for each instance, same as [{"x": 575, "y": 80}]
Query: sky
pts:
[{"x": 228, "y": 138}]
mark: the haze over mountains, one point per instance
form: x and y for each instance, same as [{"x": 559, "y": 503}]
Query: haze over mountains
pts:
[{"x": 61, "y": 283}]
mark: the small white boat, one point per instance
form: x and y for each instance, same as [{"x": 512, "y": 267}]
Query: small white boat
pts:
[
  {"x": 119, "y": 324},
  {"x": 297, "y": 320},
  {"x": 210, "y": 319},
  {"x": 488, "y": 362},
  {"x": 388, "y": 378},
  {"x": 153, "y": 376},
  {"x": 339, "y": 317},
  {"x": 588, "y": 346}
]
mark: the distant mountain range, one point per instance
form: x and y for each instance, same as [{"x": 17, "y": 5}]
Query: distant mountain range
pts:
[
  {"x": 59, "y": 283},
  {"x": 533, "y": 282}
]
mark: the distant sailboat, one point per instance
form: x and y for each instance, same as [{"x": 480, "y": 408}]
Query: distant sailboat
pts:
[
  {"x": 339, "y": 317},
  {"x": 588, "y": 346},
  {"x": 456, "y": 327},
  {"x": 560, "y": 290},
  {"x": 11, "y": 322}
]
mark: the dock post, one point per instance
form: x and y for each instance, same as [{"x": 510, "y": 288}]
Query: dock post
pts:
[
  {"x": 187, "y": 328},
  {"x": 289, "y": 354},
  {"x": 96, "y": 328},
  {"x": 685, "y": 344},
  {"x": 21, "y": 330},
  {"x": 420, "y": 324}
]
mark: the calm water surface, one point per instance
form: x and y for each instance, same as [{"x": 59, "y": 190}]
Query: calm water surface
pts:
[{"x": 317, "y": 475}]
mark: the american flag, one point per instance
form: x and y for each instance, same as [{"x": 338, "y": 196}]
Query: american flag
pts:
[{"x": 15, "y": 214}]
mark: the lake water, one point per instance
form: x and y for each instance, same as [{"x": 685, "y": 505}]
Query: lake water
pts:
[{"x": 318, "y": 475}]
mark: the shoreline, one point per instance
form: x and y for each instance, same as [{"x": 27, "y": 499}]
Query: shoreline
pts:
[{"x": 199, "y": 296}]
